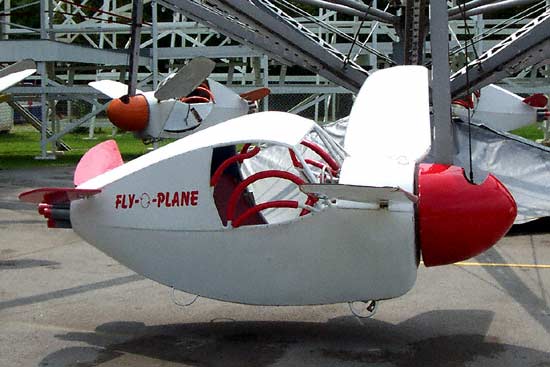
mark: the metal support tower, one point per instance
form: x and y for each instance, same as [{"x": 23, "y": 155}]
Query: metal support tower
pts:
[
  {"x": 442, "y": 146},
  {"x": 281, "y": 36}
]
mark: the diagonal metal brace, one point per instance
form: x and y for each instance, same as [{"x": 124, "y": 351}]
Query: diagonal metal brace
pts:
[{"x": 526, "y": 47}]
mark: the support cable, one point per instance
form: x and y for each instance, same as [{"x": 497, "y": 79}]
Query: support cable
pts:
[
  {"x": 356, "y": 36},
  {"x": 353, "y": 42},
  {"x": 469, "y": 96},
  {"x": 373, "y": 28}
]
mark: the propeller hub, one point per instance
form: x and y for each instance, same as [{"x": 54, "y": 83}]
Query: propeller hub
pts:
[
  {"x": 129, "y": 113},
  {"x": 458, "y": 219}
]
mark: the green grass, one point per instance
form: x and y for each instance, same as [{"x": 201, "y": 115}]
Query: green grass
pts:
[
  {"x": 21, "y": 145},
  {"x": 531, "y": 132}
]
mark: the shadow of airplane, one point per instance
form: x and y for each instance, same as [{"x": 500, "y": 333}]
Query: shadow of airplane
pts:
[{"x": 437, "y": 338}]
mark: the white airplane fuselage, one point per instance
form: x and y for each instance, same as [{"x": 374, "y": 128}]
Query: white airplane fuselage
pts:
[{"x": 351, "y": 222}]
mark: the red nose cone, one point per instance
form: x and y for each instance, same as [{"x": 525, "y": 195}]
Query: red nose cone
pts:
[
  {"x": 131, "y": 116},
  {"x": 457, "y": 219}
]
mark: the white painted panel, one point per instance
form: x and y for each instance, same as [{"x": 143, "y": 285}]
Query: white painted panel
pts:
[
  {"x": 329, "y": 257},
  {"x": 147, "y": 188}
]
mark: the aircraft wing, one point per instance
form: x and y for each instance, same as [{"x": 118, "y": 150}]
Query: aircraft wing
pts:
[
  {"x": 111, "y": 88},
  {"x": 56, "y": 195},
  {"x": 363, "y": 194},
  {"x": 15, "y": 73}
]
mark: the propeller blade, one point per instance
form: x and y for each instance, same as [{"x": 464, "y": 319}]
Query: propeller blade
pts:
[
  {"x": 183, "y": 82},
  {"x": 13, "y": 74},
  {"x": 111, "y": 88},
  {"x": 256, "y": 94}
]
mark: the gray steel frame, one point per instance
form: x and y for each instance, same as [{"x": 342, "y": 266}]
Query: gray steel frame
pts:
[
  {"x": 269, "y": 31},
  {"x": 276, "y": 34},
  {"x": 528, "y": 46}
]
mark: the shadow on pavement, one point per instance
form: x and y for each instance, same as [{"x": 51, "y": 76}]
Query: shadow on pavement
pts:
[{"x": 341, "y": 341}]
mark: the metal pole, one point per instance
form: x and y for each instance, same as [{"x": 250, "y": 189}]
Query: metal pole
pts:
[
  {"x": 155, "y": 34},
  {"x": 469, "y": 5},
  {"x": 480, "y": 29},
  {"x": 265, "y": 73},
  {"x": 41, "y": 66},
  {"x": 374, "y": 43},
  {"x": 498, "y": 6},
  {"x": 43, "y": 19},
  {"x": 42, "y": 70},
  {"x": 5, "y": 27},
  {"x": 51, "y": 33},
  {"x": 442, "y": 142},
  {"x": 137, "y": 20}
]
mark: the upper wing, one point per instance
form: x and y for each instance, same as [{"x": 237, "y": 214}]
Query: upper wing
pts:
[
  {"x": 389, "y": 129},
  {"x": 391, "y": 115}
]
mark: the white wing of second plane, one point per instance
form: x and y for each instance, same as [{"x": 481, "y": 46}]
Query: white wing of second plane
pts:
[
  {"x": 15, "y": 73},
  {"x": 111, "y": 88},
  {"x": 499, "y": 109}
]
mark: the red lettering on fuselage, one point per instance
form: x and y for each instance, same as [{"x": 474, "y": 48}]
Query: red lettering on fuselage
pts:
[
  {"x": 165, "y": 199},
  {"x": 194, "y": 198},
  {"x": 176, "y": 199},
  {"x": 185, "y": 198},
  {"x": 160, "y": 199},
  {"x": 118, "y": 201}
]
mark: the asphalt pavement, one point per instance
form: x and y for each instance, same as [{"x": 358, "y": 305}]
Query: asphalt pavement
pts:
[{"x": 64, "y": 303}]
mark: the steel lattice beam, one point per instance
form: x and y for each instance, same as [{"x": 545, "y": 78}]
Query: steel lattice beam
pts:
[
  {"x": 526, "y": 47},
  {"x": 276, "y": 34}
]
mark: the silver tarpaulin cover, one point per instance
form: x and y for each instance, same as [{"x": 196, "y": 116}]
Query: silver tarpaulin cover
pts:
[{"x": 521, "y": 165}]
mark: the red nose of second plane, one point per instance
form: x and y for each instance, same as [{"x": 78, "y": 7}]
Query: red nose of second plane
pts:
[
  {"x": 131, "y": 114},
  {"x": 458, "y": 219}
]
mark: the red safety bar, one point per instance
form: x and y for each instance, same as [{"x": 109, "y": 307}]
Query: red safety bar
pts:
[
  {"x": 312, "y": 162},
  {"x": 194, "y": 99},
  {"x": 322, "y": 153},
  {"x": 244, "y": 154},
  {"x": 463, "y": 103},
  {"x": 311, "y": 200},
  {"x": 251, "y": 179},
  {"x": 258, "y": 208},
  {"x": 199, "y": 98},
  {"x": 245, "y": 148}
]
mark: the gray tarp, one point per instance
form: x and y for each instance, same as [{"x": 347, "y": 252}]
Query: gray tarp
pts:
[{"x": 520, "y": 164}]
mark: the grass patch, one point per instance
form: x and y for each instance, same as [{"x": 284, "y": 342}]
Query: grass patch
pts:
[
  {"x": 531, "y": 132},
  {"x": 21, "y": 145}
]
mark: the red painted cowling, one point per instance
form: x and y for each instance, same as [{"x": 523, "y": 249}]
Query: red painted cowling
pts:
[
  {"x": 131, "y": 115},
  {"x": 457, "y": 219}
]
